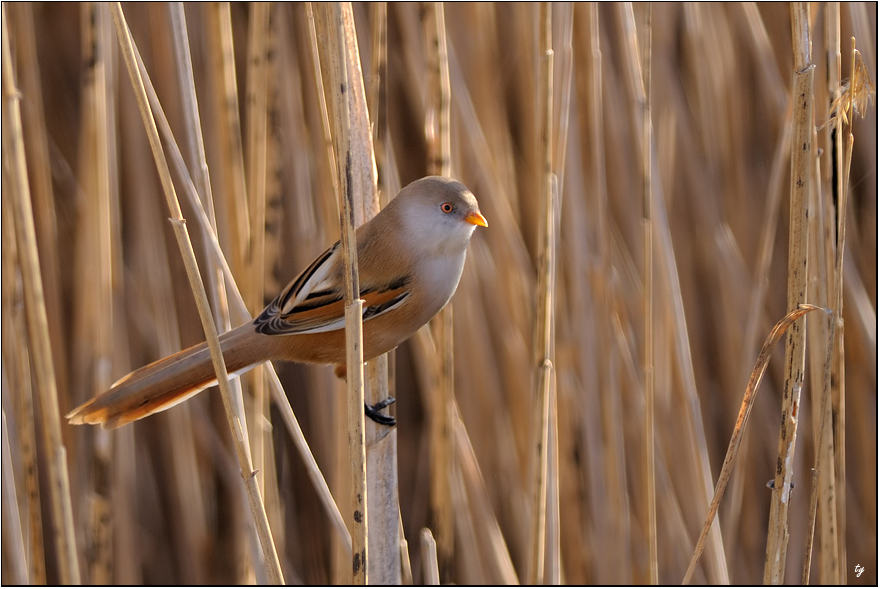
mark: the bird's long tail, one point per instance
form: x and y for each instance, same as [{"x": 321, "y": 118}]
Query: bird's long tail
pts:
[{"x": 172, "y": 380}]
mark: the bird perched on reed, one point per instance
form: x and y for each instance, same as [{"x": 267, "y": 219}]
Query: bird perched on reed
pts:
[{"x": 410, "y": 258}]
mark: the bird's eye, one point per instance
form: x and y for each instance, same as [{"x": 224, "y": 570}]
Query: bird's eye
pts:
[{"x": 447, "y": 207}]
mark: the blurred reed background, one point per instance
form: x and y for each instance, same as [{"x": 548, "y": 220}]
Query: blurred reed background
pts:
[{"x": 161, "y": 502}]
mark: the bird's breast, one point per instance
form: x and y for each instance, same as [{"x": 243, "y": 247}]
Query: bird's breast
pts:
[{"x": 440, "y": 276}]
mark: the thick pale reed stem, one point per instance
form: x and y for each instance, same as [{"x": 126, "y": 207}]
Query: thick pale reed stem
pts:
[{"x": 801, "y": 173}]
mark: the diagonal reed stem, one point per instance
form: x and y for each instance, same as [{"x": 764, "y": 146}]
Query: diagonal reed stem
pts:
[
  {"x": 741, "y": 421},
  {"x": 260, "y": 521}
]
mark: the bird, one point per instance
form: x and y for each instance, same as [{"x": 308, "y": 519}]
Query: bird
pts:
[{"x": 410, "y": 259}]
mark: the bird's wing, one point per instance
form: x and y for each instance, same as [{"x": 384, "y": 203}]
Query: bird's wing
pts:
[{"x": 315, "y": 301}]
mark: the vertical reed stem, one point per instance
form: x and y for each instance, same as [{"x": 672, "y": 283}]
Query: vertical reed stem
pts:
[
  {"x": 437, "y": 113},
  {"x": 648, "y": 220},
  {"x": 801, "y": 173},
  {"x": 257, "y": 109},
  {"x": 38, "y": 329},
  {"x": 544, "y": 328},
  {"x": 224, "y": 94},
  {"x": 357, "y": 184},
  {"x": 823, "y": 480}
]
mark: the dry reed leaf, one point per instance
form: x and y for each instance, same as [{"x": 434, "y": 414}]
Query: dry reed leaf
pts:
[
  {"x": 741, "y": 421},
  {"x": 857, "y": 92}
]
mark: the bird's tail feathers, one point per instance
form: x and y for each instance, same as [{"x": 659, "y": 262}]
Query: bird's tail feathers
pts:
[{"x": 167, "y": 382}]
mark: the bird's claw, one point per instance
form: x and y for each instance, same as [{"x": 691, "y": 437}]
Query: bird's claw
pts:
[{"x": 372, "y": 411}]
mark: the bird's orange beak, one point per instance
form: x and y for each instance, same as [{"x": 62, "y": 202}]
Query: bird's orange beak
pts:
[{"x": 477, "y": 219}]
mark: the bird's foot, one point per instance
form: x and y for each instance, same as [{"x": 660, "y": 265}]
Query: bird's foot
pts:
[{"x": 372, "y": 411}]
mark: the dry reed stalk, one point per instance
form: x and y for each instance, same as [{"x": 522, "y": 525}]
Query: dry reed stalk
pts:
[
  {"x": 256, "y": 143},
  {"x": 801, "y": 171},
  {"x": 93, "y": 299},
  {"x": 493, "y": 550},
  {"x": 818, "y": 342},
  {"x": 677, "y": 359},
  {"x": 186, "y": 522},
  {"x": 553, "y": 574},
  {"x": 430, "y": 568},
  {"x": 823, "y": 488},
  {"x": 28, "y": 443},
  {"x": 566, "y": 23},
  {"x": 38, "y": 329},
  {"x": 648, "y": 359},
  {"x": 195, "y": 142},
  {"x": 480, "y": 544},
  {"x": 16, "y": 377},
  {"x": 190, "y": 487},
  {"x": 271, "y": 256},
  {"x": 188, "y": 511},
  {"x": 37, "y": 154},
  {"x": 774, "y": 85},
  {"x": 379, "y": 95},
  {"x": 39, "y": 166},
  {"x": 615, "y": 551},
  {"x": 357, "y": 442},
  {"x": 742, "y": 419},
  {"x": 341, "y": 555},
  {"x": 13, "y": 538},
  {"x": 544, "y": 318},
  {"x": 613, "y": 417},
  {"x": 498, "y": 399},
  {"x": 858, "y": 94},
  {"x": 405, "y": 564},
  {"x": 271, "y": 564},
  {"x": 353, "y": 188},
  {"x": 152, "y": 271},
  {"x": 838, "y": 366},
  {"x": 390, "y": 560},
  {"x": 224, "y": 92},
  {"x": 342, "y": 559},
  {"x": 837, "y": 369},
  {"x": 198, "y": 165},
  {"x": 682, "y": 366},
  {"x": 261, "y": 67},
  {"x": 442, "y": 444},
  {"x": 381, "y": 444},
  {"x": 385, "y": 532},
  {"x": 238, "y": 306},
  {"x": 468, "y": 523},
  {"x": 833, "y": 546},
  {"x": 553, "y": 559},
  {"x": 639, "y": 77},
  {"x": 438, "y": 140},
  {"x": 319, "y": 67},
  {"x": 439, "y": 99},
  {"x": 759, "y": 293},
  {"x": 488, "y": 155},
  {"x": 859, "y": 21}
]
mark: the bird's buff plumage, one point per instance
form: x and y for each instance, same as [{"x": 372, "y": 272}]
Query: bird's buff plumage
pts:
[{"x": 410, "y": 259}]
